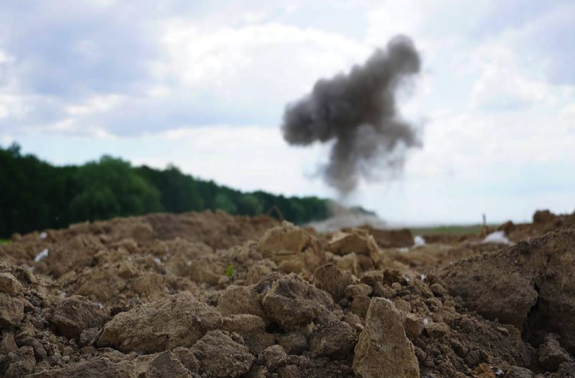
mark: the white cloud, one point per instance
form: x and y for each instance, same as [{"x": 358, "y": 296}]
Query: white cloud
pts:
[
  {"x": 102, "y": 3},
  {"x": 88, "y": 50},
  {"x": 5, "y": 58},
  {"x": 12, "y": 106},
  {"x": 6, "y": 140},
  {"x": 263, "y": 62},
  {"x": 547, "y": 43},
  {"x": 71, "y": 127},
  {"x": 503, "y": 83},
  {"x": 431, "y": 23},
  {"x": 569, "y": 116},
  {"x": 95, "y": 104}
]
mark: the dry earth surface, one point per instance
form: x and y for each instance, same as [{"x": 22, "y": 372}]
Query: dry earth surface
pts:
[{"x": 211, "y": 295}]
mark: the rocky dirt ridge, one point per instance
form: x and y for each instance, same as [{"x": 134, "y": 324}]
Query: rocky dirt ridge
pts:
[{"x": 283, "y": 303}]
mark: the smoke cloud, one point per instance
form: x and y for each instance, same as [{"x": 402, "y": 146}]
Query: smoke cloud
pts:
[{"x": 358, "y": 113}]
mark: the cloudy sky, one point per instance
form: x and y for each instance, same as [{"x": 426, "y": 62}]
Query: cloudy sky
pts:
[{"x": 203, "y": 85}]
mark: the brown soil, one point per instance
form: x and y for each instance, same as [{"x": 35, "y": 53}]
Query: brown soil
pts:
[
  {"x": 543, "y": 222},
  {"x": 211, "y": 295}
]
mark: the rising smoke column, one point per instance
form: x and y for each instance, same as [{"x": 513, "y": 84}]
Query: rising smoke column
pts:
[{"x": 358, "y": 112}]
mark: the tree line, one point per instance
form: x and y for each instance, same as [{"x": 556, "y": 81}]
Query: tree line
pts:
[{"x": 36, "y": 195}]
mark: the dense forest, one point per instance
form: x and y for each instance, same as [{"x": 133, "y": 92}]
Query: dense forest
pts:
[{"x": 36, "y": 195}]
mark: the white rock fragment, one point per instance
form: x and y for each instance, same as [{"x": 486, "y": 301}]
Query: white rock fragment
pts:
[
  {"x": 418, "y": 241},
  {"x": 497, "y": 237},
  {"x": 42, "y": 255}
]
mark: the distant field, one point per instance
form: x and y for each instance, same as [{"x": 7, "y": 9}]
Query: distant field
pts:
[
  {"x": 450, "y": 230},
  {"x": 4, "y": 241}
]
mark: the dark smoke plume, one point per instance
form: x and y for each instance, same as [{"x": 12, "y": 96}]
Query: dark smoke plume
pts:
[{"x": 358, "y": 113}]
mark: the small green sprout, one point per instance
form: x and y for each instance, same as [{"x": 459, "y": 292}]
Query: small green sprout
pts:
[{"x": 231, "y": 270}]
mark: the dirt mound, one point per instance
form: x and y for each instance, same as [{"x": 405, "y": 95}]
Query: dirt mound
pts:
[
  {"x": 57, "y": 252},
  {"x": 134, "y": 298},
  {"x": 529, "y": 285},
  {"x": 544, "y": 221},
  {"x": 389, "y": 238},
  {"x": 215, "y": 229}
]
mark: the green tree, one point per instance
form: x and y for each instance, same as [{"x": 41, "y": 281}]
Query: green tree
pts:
[
  {"x": 35, "y": 195},
  {"x": 179, "y": 192},
  {"x": 223, "y": 202},
  {"x": 111, "y": 188},
  {"x": 249, "y": 204}
]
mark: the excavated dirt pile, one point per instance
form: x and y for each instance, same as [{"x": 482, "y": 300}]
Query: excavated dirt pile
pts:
[
  {"x": 211, "y": 295},
  {"x": 543, "y": 221}
]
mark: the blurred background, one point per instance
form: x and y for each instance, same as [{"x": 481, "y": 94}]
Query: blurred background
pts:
[{"x": 112, "y": 108}]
